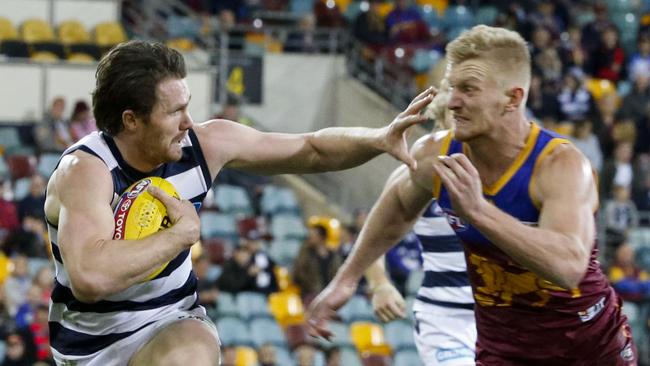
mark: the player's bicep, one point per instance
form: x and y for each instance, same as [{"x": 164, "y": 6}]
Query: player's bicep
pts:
[
  {"x": 568, "y": 196},
  {"x": 85, "y": 215}
]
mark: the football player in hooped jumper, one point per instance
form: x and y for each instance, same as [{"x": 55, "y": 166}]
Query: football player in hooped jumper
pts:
[{"x": 103, "y": 309}]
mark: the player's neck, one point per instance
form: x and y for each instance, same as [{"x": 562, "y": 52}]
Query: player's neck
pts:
[
  {"x": 494, "y": 153},
  {"x": 135, "y": 155}
]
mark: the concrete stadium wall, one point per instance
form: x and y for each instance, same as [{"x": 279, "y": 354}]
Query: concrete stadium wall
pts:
[{"x": 27, "y": 87}]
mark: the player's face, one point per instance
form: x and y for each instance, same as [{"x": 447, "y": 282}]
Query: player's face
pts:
[
  {"x": 169, "y": 121},
  {"x": 475, "y": 99}
]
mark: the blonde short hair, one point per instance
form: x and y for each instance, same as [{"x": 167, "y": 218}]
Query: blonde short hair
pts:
[
  {"x": 504, "y": 49},
  {"x": 438, "y": 110}
]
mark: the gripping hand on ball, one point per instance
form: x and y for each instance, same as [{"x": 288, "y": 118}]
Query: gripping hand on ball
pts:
[{"x": 182, "y": 214}]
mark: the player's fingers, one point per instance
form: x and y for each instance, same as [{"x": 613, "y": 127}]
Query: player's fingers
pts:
[
  {"x": 408, "y": 121},
  {"x": 163, "y": 196},
  {"x": 447, "y": 178},
  {"x": 417, "y": 106},
  {"x": 383, "y": 314},
  {"x": 459, "y": 170},
  {"x": 318, "y": 328},
  {"x": 463, "y": 160},
  {"x": 423, "y": 94},
  {"x": 397, "y": 310}
]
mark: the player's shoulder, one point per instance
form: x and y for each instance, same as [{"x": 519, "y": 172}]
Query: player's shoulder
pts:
[
  {"x": 430, "y": 145},
  {"x": 78, "y": 169},
  {"x": 564, "y": 158}
]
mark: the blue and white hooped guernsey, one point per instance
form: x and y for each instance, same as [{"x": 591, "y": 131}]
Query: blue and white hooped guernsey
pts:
[
  {"x": 445, "y": 282},
  {"x": 80, "y": 329}
]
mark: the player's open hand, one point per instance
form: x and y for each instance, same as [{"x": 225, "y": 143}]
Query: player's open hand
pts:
[
  {"x": 182, "y": 214},
  {"x": 394, "y": 135},
  {"x": 387, "y": 303},
  {"x": 323, "y": 308},
  {"x": 463, "y": 183}
]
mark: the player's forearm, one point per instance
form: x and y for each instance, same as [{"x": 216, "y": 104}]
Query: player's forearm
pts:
[
  {"x": 110, "y": 266},
  {"x": 387, "y": 223},
  {"x": 339, "y": 148},
  {"x": 376, "y": 273},
  {"x": 555, "y": 257}
]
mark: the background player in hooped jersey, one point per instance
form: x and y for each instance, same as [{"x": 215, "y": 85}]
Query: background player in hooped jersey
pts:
[
  {"x": 522, "y": 201},
  {"x": 103, "y": 312},
  {"x": 445, "y": 331}
]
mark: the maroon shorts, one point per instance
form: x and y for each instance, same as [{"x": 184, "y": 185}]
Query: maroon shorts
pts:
[{"x": 621, "y": 351}]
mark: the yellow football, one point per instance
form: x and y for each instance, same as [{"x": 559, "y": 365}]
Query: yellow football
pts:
[{"x": 139, "y": 214}]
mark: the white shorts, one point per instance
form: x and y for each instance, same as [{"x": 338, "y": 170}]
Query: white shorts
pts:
[
  {"x": 445, "y": 338},
  {"x": 120, "y": 353}
]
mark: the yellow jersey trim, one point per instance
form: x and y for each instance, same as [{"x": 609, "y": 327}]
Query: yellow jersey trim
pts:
[{"x": 494, "y": 189}]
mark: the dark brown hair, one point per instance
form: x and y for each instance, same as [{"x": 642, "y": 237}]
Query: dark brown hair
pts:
[{"x": 127, "y": 78}]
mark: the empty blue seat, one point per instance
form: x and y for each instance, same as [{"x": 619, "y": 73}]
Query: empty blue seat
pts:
[
  {"x": 407, "y": 358},
  {"x": 284, "y": 252},
  {"x": 266, "y": 330},
  {"x": 414, "y": 282},
  {"x": 252, "y": 305},
  {"x": 232, "y": 199},
  {"x": 399, "y": 335},
  {"x": 285, "y": 226},
  {"x": 233, "y": 331},
  {"x": 226, "y": 305},
  {"x": 357, "y": 309},
  {"x": 220, "y": 225},
  {"x": 47, "y": 163}
]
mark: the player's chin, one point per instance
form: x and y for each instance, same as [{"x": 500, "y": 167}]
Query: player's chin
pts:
[{"x": 175, "y": 153}]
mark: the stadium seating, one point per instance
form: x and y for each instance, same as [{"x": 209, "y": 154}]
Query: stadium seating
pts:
[
  {"x": 252, "y": 305},
  {"x": 414, "y": 282},
  {"x": 214, "y": 224},
  {"x": 233, "y": 331},
  {"x": 43, "y": 44},
  {"x": 399, "y": 334},
  {"x": 287, "y": 308},
  {"x": 283, "y": 252},
  {"x": 77, "y": 41},
  {"x": 21, "y": 166},
  {"x": 226, "y": 305},
  {"x": 245, "y": 356},
  {"x": 285, "y": 226},
  {"x": 232, "y": 199},
  {"x": 108, "y": 34},
  {"x": 349, "y": 357},
  {"x": 266, "y": 330},
  {"x": 407, "y": 358},
  {"x": 46, "y": 163},
  {"x": 341, "y": 338},
  {"x": 358, "y": 308}
]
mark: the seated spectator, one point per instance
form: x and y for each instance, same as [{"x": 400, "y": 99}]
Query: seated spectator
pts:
[
  {"x": 21, "y": 350},
  {"x": 27, "y": 310},
  {"x": 315, "y": 264},
  {"x": 608, "y": 60},
  {"x": 642, "y": 195},
  {"x": 640, "y": 61},
  {"x": 630, "y": 282},
  {"x": 587, "y": 142},
  {"x": 305, "y": 355},
  {"x": 617, "y": 171},
  {"x": 266, "y": 355},
  {"x": 369, "y": 26},
  {"x": 333, "y": 357},
  {"x": 635, "y": 104},
  {"x": 54, "y": 133},
  {"x": 81, "y": 121},
  {"x": 405, "y": 25},
  {"x": 33, "y": 203},
  {"x": 41, "y": 334},
  {"x": 249, "y": 269},
  {"x": 572, "y": 51},
  {"x": 328, "y": 14},
  {"x": 542, "y": 99},
  {"x": 17, "y": 285},
  {"x": 620, "y": 213},
  {"x": 402, "y": 259},
  {"x": 592, "y": 31},
  {"x": 29, "y": 240},
  {"x": 9, "y": 220},
  {"x": 576, "y": 102}
]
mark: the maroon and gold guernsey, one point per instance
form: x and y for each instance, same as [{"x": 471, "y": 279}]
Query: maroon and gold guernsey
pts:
[{"x": 521, "y": 318}]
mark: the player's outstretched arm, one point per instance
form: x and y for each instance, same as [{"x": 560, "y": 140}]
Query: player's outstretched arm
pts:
[
  {"x": 405, "y": 196},
  {"x": 97, "y": 265},
  {"x": 336, "y": 148},
  {"x": 558, "y": 249}
]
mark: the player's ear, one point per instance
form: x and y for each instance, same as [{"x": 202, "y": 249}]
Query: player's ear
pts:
[
  {"x": 515, "y": 98},
  {"x": 129, "y": 119}
]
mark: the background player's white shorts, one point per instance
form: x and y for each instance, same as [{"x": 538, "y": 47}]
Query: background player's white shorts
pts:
[
  {"x": 446, "y": 337},
  {"x": 119, "y": 353}
]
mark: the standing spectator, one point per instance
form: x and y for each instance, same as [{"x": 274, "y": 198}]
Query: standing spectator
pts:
[
  {"x": 587, "y": 142},
  {"x": 630, "y": 282},
  {"x": 592, "y": 31},
  {"x": 542, "y": 99},
  {"x": 315, "y": 264},
  {"x": 54, "y": 133},
  {"x": 81, "y": 121}
]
